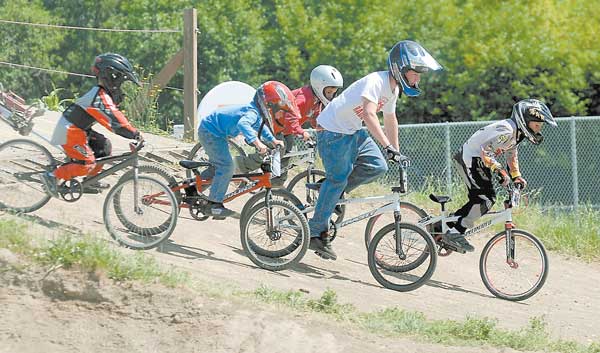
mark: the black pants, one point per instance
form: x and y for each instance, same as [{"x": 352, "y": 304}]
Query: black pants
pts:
[{"x": 482, "y": 195}]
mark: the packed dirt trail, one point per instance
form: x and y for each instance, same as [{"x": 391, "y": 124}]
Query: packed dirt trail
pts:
[{"x": 569, "y": 301}]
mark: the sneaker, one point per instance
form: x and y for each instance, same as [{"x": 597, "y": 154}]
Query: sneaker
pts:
[
  {"x": 218, "y": 211},
  {"x": 456, "y": 239},
  {"x": 50, "y": 184},
  {"x": 322, "y": 246}
]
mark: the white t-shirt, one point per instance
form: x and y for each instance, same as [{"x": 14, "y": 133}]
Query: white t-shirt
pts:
[{"x": 343, "y": 114}]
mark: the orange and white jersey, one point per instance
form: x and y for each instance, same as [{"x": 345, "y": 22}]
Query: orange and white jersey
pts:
[
  {"x": 96, "y": 106},
  {"x": 492, "y": 141}
]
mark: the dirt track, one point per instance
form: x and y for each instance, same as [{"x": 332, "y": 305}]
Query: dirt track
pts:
[{"x": 570, "y": 300}]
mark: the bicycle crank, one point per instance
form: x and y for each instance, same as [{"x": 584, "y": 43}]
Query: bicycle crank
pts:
[{"x": 70, "y": 190}]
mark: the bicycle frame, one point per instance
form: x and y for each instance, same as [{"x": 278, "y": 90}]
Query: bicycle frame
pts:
[{"x": 309, "y": 159}]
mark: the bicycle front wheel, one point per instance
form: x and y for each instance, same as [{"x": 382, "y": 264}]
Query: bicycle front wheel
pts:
[
  {"x": 410, "y": 213},
  {"x": 404, "y": 268},
  {"x": 22, "y": 164},
  {"x": 280, "y": 246},
  {"x": 297, "y": 186},
  {"x": 140, "y": 214},
  {"x": 518, "y": 278}
]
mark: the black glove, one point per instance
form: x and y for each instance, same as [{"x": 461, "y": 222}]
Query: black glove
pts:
[
  {"x": 502, "y": 177},
  {"x": 395, "y": 156}
]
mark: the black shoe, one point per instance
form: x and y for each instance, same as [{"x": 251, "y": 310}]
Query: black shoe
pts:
[
  {"x": 457, "y": 240},
  {"x": 322, "y": 246},
  {"x": 218, "y": 211}
]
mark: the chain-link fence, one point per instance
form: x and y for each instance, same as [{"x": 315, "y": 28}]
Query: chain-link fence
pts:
[{"x": 565, "y": 168}]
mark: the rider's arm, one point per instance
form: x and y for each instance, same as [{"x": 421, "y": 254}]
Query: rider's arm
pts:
[
  {"x": 249, "y": 124},
  {"x": 108, "y": 115},
  {"x": 390, "y": 124},
  {"x": 513, "y": 162},
  {"x": 369, "y": 116},
  {"x": 291, "y": 122}
]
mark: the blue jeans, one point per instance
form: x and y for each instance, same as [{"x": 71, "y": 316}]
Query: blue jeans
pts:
[
  {"x": 219, "y": 156},
  {"x": 349, "y": 161}
]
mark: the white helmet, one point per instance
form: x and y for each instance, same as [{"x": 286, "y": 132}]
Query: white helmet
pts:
[{"x": 325, "y": 76}]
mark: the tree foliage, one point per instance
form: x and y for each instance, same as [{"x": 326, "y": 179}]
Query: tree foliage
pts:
[{"x": 494, "y": 53}]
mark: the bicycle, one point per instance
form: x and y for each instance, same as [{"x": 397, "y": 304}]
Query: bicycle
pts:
[
  {"x": 411, "y": 245},
  {"x": 500, "y": 264},
  {"x": 275, "y": 218},
  {"x": 23, "y": 162}
]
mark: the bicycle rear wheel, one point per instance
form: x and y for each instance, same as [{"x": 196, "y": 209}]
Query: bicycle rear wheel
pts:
[
  {"x": 141, "y": 222},
  {"x": 410, "y": 269},
  {"x": 22, "y": 163},
  {"x": 297, "y": 186},
  {"x": 519, "y": 278},
  {"x": 288, "y": 238}
]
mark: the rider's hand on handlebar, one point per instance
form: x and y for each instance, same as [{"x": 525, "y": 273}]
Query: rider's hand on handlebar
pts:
[
  {"x": 520, "y": 183},
  {"x": 278, "y": 144},
  {"x": 306, "y": 137},
  {"x": 261, "y": 147},
  {"x": 395, "y": 156},
  {"x": 502, "y": 177}
]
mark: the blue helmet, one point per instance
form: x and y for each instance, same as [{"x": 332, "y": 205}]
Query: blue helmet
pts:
[{"x": 408, "y": 55}]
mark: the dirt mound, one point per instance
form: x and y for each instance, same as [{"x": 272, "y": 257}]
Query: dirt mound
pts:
[{"x": 54, "y": 310}]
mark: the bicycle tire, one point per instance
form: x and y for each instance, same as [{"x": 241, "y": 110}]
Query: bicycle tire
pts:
[
  {"x": 375, "y": 259},
  {"x": 160, "y": 171},
  {"x": 309, "y": 197},
  {"x": 23, "y": 160},
  {"x": 132, "y": 231},
  {"x": 298, "y": 225},
  {"x": 416, "y": 212},
  {"x": 485, "y": 258}
]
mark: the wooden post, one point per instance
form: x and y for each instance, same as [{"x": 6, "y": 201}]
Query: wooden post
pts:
[{"x": 190, "y": 73}]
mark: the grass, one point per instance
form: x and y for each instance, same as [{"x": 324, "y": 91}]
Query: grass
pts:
[
  {"x": 396, "y": 322},
  {"x": 87, "y": 254},
  {"x": 90, "y": 254}
]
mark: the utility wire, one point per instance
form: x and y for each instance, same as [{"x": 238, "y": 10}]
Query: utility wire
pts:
[
  {"x": 67, "y": 73},
  {"x": 92, "y": 28}
]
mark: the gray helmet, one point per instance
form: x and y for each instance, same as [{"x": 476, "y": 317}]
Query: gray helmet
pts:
[
  {"x": 531, "y": 110},
  {"x": 408, "y": 55},
  {"x": 112, "y": 70},
  {"x": 325, "y": 76}
]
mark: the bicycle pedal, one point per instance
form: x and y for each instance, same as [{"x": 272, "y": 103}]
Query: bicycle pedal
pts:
[
  {"x": 218, "y": 218},
  {"x": 453, "y": 248},
  {"x": 92, "y": 191}
]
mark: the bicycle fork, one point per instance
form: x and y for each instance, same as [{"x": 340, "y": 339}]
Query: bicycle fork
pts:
[
  {"x": 136, "y": 206},
  {"x": 510, "y": 246},
  {"x": 398, "y": 233}
]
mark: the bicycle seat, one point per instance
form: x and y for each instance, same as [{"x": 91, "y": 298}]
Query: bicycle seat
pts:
[
  {"x": 193, "y": 164},
  {"x": 439, "y": 199}
]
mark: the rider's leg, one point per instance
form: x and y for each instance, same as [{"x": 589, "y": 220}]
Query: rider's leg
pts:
[
  {"x": 370, "y": 163},
  {"x": 219, "y": 156},
  {"x": 288, "y": 140},
  {"x": 102, "y": 147},
  {"x": 338, "y": 152},
  {"x": 76, "y": 148},
  {"x": 481, "y": 199}
]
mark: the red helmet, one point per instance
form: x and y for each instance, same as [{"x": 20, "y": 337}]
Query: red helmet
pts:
[{"x": 272, "y": 97}]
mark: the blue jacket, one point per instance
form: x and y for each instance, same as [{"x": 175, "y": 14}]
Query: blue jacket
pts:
[{"x": 232, "y": 120}]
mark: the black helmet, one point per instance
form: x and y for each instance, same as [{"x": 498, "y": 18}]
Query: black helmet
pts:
[
  {"x": 112, "y": 70},
  {"x": 531, "y": 110},
  {"x": 408, "y": 55}
]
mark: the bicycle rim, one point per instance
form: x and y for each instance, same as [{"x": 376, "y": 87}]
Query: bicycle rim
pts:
[
  {"x": 407, "y": 272},
  {"x": 150, "y": 223},
  {"x": 516, "y": 280},
  {"x": 285, "y": 246},
  {"x": 22, "y": 163}
]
